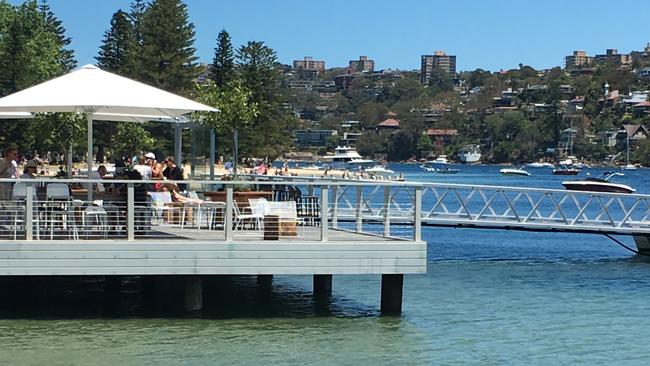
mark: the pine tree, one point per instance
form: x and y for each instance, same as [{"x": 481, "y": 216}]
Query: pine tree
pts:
[
  {"x": 117, "y": 52},
  {"x": 223, "y": 65},
  {"x": 168, "y": 49},
  {"x": 136, "y": 16},
  {"x": 258, "y": 69},
  {"x": 55, "y": 26}
]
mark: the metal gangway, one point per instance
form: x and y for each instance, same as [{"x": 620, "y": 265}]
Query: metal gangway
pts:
[{"x": 492, "y": 207}]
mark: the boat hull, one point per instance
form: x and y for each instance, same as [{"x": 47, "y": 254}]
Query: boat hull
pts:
[
  {"x": 598, "y": 187},
  {"x": 514, "y": 172},
  {"x": 566, "y": 171}
]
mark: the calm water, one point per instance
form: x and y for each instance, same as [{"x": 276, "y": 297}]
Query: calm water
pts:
[{"x": 489, "y": 297}]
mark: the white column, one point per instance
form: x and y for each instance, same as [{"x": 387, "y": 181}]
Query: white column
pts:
[
  {"x": 178, "y": 144},
  {"x": 89, "y": 117},
  {"x": 213, "y": 148}
]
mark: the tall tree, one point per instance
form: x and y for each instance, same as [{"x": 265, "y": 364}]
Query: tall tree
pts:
[
  {"x": 260, "y": 73},
  {"x": 168, "y": 49},
  {"x": 55, "y": 26},
  {"x": 118, "y": 49},
  {"x": 223, "y": 64}
]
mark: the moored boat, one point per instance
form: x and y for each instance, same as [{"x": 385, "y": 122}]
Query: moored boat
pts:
[
  {"x": 514, "y": 171},
  {"x": 347, "y": 157},
  {"x": 470, "y": 154},
  {"x": 540, "y": 165},
  {"x": 440, "y": 165},
  {"x": 565, "y": 170},
  {"x": 599, "y": 184}
]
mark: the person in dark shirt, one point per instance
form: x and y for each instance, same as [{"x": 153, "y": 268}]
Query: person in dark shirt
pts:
[{"x": 172, "y": 172}]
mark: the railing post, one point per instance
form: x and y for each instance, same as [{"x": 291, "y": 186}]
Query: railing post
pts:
[
  {"x": 29, "y": 213},
  {"x": 324, "y": 199},
  {"x": 130, "y": 215},
  {"x": 386, "y": 210},
  {"x": 417, "y": 215},
  {"x": 359, "y": 209},
  {"x": 335, "y": 206},
  {"x": 229, "y": 209}
]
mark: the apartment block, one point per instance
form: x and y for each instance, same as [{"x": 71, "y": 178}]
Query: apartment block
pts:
[
  {"x": 438, "y": 62},
  {"x": 363, "y": 64},
  {"x": 578, "y": 59},
  {"x": 308, "y": 63},
  {"x": 612, "y": 55}
]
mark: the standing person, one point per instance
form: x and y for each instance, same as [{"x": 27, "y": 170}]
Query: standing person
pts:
[
  {"x": 144, "y": 169},
  {"x": 8, "y": 170}
]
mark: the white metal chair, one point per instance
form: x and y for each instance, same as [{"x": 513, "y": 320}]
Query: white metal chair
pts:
[
  {"x": 94, "y": 216},
  {"x": 256, "y": 216},
  {"x": 60, "y": 208},
  {"x": 160, "y": 203}
]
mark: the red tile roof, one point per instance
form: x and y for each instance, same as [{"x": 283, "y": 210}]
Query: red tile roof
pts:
[{"x": 390, "y": 122}]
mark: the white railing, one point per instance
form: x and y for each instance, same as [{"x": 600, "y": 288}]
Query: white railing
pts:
[
  {"x": 137, "y": 215},
  {"x": 324, "y": 210}
]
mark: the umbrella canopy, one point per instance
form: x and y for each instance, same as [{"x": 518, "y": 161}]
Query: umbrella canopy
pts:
[
  {"x": 92, "y": 90},
  {"x": 101, "y": 95}
]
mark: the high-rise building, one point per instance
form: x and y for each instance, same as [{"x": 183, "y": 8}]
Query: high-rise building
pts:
[
  {"x": 438, "y": 62},
  {"x": 363, "y": 64},
  {"x": 578, "y": 59},
  {"x": 308, "y": 63}
]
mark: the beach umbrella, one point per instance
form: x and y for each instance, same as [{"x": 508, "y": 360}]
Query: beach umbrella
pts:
[{"x": 102, "y": 96}]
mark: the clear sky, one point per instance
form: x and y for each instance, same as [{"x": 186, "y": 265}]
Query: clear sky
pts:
[{"x": 484, "y": 34}]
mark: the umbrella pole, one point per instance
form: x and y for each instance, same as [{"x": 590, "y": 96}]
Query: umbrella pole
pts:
[{"x": 89, "y": 117}]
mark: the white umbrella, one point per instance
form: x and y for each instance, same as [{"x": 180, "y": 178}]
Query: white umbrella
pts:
[{"x": 101, "y": 95}]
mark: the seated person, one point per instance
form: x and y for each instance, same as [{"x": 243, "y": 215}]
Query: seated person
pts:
[
  {"x": 30, "y": 171},
  {"x": 176, "y": 195},
  {"x": 99, "y": 174}
]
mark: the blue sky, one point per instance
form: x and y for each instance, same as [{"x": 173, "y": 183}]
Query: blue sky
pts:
[{"x": 491, "y": 35}]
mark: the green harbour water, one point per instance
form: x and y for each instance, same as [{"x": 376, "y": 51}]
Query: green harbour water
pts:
[{"x": 488, "y": 298}]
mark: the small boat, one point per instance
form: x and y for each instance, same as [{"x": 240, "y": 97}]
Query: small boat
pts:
[
  {"x": 440, "y": 165},
  {"x": 630, "y": 167},
  {"x": 599, "y": 184},
  {"x": 565, "y": 170},
  {"x": 514, "y": 171},
  {"x": 540, "y": 165}
]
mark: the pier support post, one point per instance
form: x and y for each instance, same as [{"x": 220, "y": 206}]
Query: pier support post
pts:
[
  {"x": 193, "y": 293},
  {"x": 642, "y": 243},
  {"x": 323, "y": 285},
  {"x": 391, "y": 293},
  {"x": 265, "y": 281}
]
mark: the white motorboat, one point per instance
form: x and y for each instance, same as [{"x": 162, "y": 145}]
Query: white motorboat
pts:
[
  {"x": 539, "y": 165},
  {"x": 630, "y": 167},
  {"x": 347, "y": 157},
  {"x": 599, "y": 184},
  {"x": 440, "y": 165},
  {"x": 380, "y": 171},
  {"x": 514, "y": 171},
  {"x": 470, "y": 154}
]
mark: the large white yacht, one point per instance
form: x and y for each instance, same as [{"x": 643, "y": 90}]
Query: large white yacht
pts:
[
  {"x": 347, "y": 157},
  {"x": 470, "y": 154}
]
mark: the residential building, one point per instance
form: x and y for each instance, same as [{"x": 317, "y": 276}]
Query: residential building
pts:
[
  {"x": 612, "y": 55},
  {"x": 641, "y": 56},
  {"x": 312, "y": 138},
  {"x": 389, "y": 123},
  {"x": 637, "y": 133},
  {"x": 438, "y": 62},
  {"x": 578, "y": 59},
  {"x": 310, "y": 65},
  {"x": 363, "y": 64},
  {"x": 643, "y": 73},
  {"x": 441, "y": 136}
]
